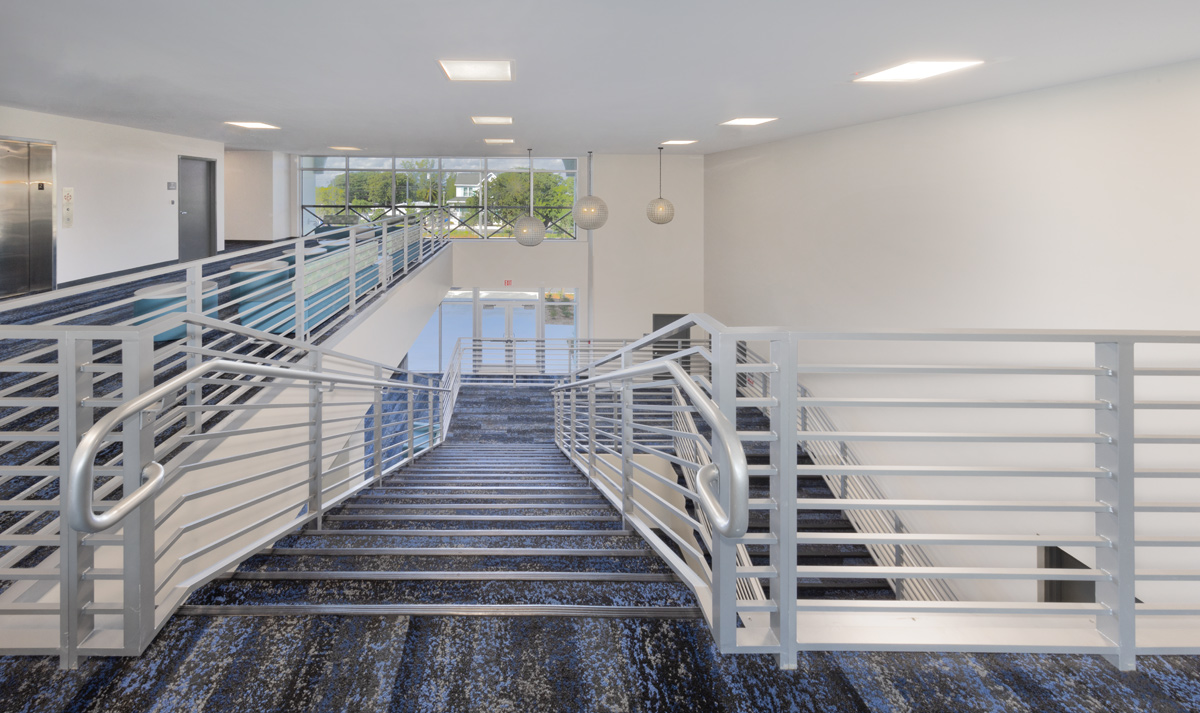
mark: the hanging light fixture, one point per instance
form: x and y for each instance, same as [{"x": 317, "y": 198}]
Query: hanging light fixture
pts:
[
  {"x": 660, "y": 209},
  {"x": 591, "y": 212},
  {"x": 529, "y": 230}
]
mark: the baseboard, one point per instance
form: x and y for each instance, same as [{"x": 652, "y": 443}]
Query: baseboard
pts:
[{"x": 118, "y": 273}]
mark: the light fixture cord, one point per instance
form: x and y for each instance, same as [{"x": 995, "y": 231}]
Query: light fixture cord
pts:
[
  {"x": 530, "y": 182},
  {"x": 589, "y": 173},
  {"x": 660, "y": 171}
]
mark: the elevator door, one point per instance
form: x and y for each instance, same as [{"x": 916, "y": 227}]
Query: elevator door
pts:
[
  {"x": 26, "y": 217},
  {"x": 197, "y": 208}
]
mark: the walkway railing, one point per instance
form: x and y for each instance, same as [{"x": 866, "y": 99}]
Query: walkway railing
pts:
[{"x": 964, "y": 458}]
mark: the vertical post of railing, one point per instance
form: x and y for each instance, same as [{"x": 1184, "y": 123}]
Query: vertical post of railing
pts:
[
  {"x": 405, "y": 242},
  {"x": 724, "y": 551},
  {"x": 137, "y": 449},
  {"x": 377, "y": 423},
  {"x": 783, "y": 551},
  {"x": 626, "y": 440},
  {"x": 1116, "y": 455},
  {"x": 410, "y": 396},
  {"x": 195, "y": 340},
  {"x": 385, "y": 258},
  {"x": 298, "y": 292},
  {"x": 570, "y": 398},
  {"x": 591, "y": 424},
  {"x": 75, "y": 558},
  {"x": 316, "y": 446},
  {"x": 352, "y": 253},
  {"x": 432, "y": 413}
]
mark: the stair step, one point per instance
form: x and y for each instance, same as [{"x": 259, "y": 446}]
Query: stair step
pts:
[
  {"x": 551, "y": 610},
  {"x": 375, "y": 592},
  {"x": 457, "y": 576}
]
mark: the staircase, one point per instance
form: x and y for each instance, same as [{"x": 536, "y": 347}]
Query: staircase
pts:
[
  {"x": 495, "y": 521},
  {"x": 752, "y": 419}
]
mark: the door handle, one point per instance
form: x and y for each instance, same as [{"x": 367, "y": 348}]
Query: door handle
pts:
[{"x": 183, "y": 212}]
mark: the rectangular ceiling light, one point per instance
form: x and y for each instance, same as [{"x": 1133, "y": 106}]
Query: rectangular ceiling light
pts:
[
  {"x": 497, "y": 141},
  {"x": 912, "y": 71},
  {"x": 472, "y": 70},
  {"x": 491, "y": 120},
  {"x": 747, "y": 121},
  {"x": 678, "y": 142},
  {"x": 252, "y": 125}
]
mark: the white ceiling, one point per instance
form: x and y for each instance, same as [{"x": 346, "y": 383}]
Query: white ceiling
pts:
[{"x": 613, "y": 76}]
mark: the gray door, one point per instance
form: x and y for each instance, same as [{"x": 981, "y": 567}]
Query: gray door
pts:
[
  {"x": 197, "y": 208},
  {"x": 26, "y": 218}
]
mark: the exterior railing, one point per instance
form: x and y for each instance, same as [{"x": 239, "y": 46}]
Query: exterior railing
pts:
[{"x": 963, "y": 459}]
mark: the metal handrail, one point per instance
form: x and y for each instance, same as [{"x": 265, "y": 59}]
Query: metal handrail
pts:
[
  {"x": 729, "y": 459},
  {"x": 80, "y": 474}
]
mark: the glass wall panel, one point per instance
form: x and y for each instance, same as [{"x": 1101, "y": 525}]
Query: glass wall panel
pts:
[
  {"x": 370, "y": 193},
  {"x": 456, "y": 197},
  {"x": 423, "y": 356},
  {"x": 367, "y": 162},
  {"x": 458, "y": 322}
]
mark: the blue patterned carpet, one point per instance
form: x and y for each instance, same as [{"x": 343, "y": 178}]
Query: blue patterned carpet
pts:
[{"x": 488, "y": 665}]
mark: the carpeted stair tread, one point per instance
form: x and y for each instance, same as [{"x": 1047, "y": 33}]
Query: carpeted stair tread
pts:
[
  {"x": 497, "y": 592},
  {"x": 489, "y": 563}
]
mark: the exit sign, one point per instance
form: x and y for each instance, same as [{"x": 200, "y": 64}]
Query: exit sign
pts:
[{"x": 508, "y": 283}]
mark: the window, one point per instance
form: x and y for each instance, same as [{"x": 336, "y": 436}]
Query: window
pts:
[{"x": 455, "y": 197}]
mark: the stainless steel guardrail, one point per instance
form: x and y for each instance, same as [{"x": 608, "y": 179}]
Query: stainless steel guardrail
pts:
[{"x": 80, "y": 474}]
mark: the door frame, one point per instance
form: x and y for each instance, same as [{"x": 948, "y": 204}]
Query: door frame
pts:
[{"x": 212, "y": 204}]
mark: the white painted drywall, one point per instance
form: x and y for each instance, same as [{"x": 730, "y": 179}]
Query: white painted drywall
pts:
[
  {"x": 1068, "y": 208},
  {"x": 385, "y": 331},
  {"x": 642, "y": 268},
  {"x": 256, "y": 195},
  {"x": 123, "y": 213}
]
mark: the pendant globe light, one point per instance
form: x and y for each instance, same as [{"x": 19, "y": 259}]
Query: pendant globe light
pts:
[
  {"x": 591, "y": 212},
  {"x": 529, "y": 230},
  {"x": 660, "y": 209}
]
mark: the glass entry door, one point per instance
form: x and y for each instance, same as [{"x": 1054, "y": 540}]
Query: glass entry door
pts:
[{"x": 501, "y": 325}]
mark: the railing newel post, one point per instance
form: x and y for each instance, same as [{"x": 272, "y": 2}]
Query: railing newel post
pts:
[
  {"x": 137, "y": 448},
  {"x": 301, "y": 319},
  {"x": 75, "y": 592},
  {"x": 1117, "y": 456},
  {"x": 724, "y": 551},
  {"x": 784, "y": 491},
  {"x": 316, "y": 444},
  {"x": 377, "y": 426},
  {"x": 353, "y": 269}
]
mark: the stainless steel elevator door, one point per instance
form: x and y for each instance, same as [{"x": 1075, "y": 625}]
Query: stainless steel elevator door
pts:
[
  {"x": 197, "y": 208},
  {"x": 26, "y": 217},
  {"x": 14, "y": 218}
]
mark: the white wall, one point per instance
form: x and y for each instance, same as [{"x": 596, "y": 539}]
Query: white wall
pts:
[
  {"x": 642, "y": 268},
  {"x": 124, "y": 217},
  {"x": 1068, "y": 208},
  {"x": 256, "y": 195},
  {"x": 1072, "y": 207}
]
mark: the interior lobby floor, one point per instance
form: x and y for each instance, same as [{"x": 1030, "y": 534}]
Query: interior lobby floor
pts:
[{"x": 493, "y": 664}]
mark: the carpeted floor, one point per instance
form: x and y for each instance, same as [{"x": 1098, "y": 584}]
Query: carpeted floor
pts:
[{"x": 494, "y": 664}]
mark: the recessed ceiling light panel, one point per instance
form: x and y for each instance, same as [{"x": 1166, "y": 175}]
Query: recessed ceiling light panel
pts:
[
  {"x": 251, "y": 125},
  {"x": 491, "y": 120},
  {"x": 497, "y": 141},
  {"x": 750, "y": 121},
  {"x": 912, "y": 71},
  {"x": 345, "y": 148},
  {"x": 678, "y": 142},
  {"x": 474, "y": 70}
]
